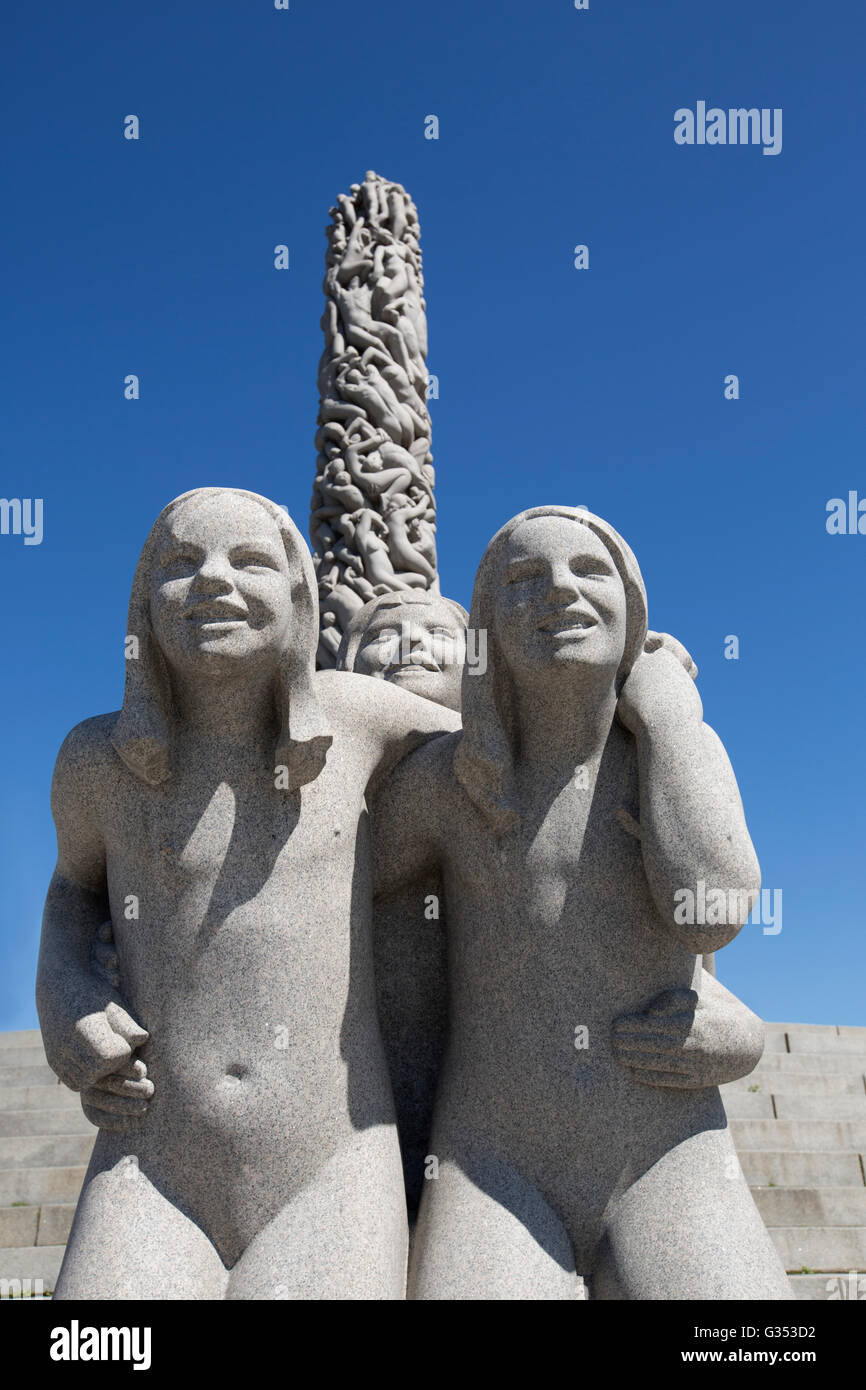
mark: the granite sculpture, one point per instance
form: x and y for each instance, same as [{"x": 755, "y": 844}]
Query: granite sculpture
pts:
[
  {"x": 684, "y": 1037},
  {"x": 248, "y": 1146},
  {"x": 520, "y": 1031},
  {"x": 582, "y": 794}
]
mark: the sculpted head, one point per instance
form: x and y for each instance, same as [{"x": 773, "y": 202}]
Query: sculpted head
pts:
[
  {"x": 560, "y": 595},
  {"x": 416, "y": 640},
  {"x": 224, "y": 589},
  {"x": 558, "y": 600},
  {"x": 220, "y": 587}
]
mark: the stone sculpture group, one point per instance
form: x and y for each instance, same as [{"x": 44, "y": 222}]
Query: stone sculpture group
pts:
[{"x": 371, "y": 976}]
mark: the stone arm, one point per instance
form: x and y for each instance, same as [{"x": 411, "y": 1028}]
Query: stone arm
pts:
[
  {"x": 406, "y": 843},
  {"x": 386, "y": 722},
  {"x": 694, "y": 832},
  {"x": 695, "y": 843},
  {"x": 686, "y": 1040},
  {"x": 88, "y": 1034}
]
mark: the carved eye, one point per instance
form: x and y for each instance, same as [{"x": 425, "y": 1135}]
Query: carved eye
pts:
[
  {"x": 253, "y": 559},
  {"x": 528, "y": 571},
  {"x": 586, "y": 568},
  {"x": 180, "y": 561}
]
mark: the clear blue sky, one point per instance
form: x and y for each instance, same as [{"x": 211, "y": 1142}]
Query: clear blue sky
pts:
[{"x": 602, "y": 387}]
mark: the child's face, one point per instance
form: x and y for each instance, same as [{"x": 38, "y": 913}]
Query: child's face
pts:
[
  {"x": 560, "y": 601},
  {"x": 420, "y": 647},
  {"x": 221, "y": 587}
]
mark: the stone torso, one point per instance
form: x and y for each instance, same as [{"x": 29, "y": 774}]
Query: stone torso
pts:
[
  {"x": 242, "y": 921},
  {"x": 552, "y": 933}
]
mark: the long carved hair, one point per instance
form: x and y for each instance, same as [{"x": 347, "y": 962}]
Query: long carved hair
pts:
[
  {"x": 142, "y": 736},
  {"x": 361, "y": 619},
  {"x": 485, "y": 756}
]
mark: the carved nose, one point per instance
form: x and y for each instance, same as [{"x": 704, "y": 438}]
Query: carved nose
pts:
[
  {"x": 563, "y": 581},
  {"x": 213, "y": 579}
]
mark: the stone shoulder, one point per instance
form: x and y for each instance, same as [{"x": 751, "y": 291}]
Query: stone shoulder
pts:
[{"x": 86, "y": 757}]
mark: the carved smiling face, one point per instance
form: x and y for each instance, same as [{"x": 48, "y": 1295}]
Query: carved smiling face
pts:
[
  {"x": 560, "y": 600},
  {"x": 220, "y": 591},
  {"x": 418, "y": 646}
]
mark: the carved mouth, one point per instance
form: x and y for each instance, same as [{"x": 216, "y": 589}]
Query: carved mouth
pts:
[
  {"x": 217, "y": 615},
  {"x": 412, "y": 666},
  {"x": 568, "y": 622}
]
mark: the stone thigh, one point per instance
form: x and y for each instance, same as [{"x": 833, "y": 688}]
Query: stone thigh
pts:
[
  {"x": 490, "y": 1236},
  {"x": 343, "y": 1236},
  {"x": 129, "y": 1241},
  {"x": 688, "y": 1228}
]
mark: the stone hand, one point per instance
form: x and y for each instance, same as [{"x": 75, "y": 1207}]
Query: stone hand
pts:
[
  {"x": 96, "y": 1057},
  {"x": 100, "y": 1043},
  {"x": 119, "y": 1101},
  {"x": 680, "y": 1043},
  {"x": 659, "y": 690},
  {"x": 666, "y": 1044},
  {"x": 658, "y": 640}
]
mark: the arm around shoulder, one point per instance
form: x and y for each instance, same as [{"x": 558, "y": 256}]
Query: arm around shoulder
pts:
[{"x": 408, "y": 813}]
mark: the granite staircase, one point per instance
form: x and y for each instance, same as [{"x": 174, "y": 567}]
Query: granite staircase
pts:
[
  {"x": 45, "y": 1144},
  {"x": 799, "y": 1124}
]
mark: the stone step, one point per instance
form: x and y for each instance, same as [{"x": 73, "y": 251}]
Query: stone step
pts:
[
  {"x": 46, "y": 1150},
  {"x": 30, "y": 1037},
  {"x": 22, "y": 1057},
  {"x": 806, "y": 1083},
  {"x": 803, "y": 1206},
  {"x": 828, "y": 1028},
  {"x": 44, "y": 1225},
  {"x": 64, "y": 1119},
  {"x": 41, "y": 1185},
  {"x": 849, "y": 1044},
  {"x": 29, "y": 1263},
  {"x": 19, "y": 1226},
  {"x": 55, "y": 1221},
  {"x": 803, "y": 1136},
  {"x": 839, "y": 1108},
  {"x": 838, "y": 1063},
  {"x": 36, "y": 1097},
  {"x": 745, "y": 1105},
  {"x": 814, "y": 1169},
  {"x": 837, "y": 1287},
  {"x": 27, "y": 1076},
  {"x": 816, "y": 1249}
]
